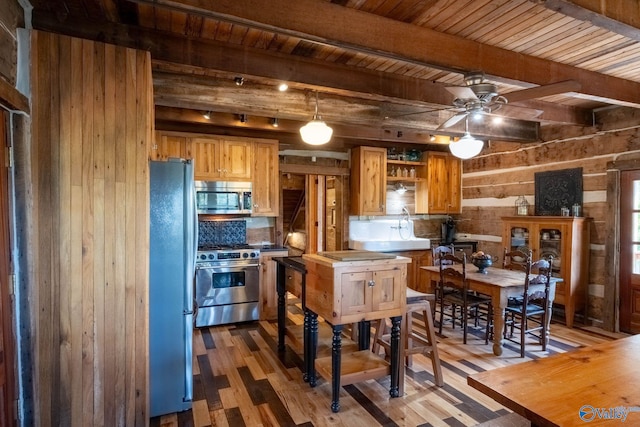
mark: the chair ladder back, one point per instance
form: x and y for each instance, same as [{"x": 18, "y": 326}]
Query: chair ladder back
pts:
[{"x": 516, "y": 260}]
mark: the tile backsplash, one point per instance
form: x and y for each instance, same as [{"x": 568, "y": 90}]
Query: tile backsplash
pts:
[{"x": 222, "y": 232}]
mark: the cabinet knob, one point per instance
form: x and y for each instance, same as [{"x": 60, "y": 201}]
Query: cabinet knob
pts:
[
  {"x": 371, "y": 283},
  {"x": 255, "y": 206}
]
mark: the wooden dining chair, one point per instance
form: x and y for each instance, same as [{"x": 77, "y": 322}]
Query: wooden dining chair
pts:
[
  {"x": 456, "y": 278},
  {"x": 436, "y": 253},
  {"x": 529, "y": 314}
]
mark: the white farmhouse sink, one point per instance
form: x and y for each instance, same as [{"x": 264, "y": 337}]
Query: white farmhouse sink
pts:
[{"x": 386, "y": 235}]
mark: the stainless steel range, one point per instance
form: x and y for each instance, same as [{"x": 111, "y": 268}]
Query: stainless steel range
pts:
[{"x": 227, "y": 286}]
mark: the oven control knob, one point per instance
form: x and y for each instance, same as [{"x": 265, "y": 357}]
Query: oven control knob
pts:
[
  {"x": 203, "y": 256},
  {"x": 212, "y": 256},
  {"x": 253, "y": 254},
  {"x": 245, "y": 255}
]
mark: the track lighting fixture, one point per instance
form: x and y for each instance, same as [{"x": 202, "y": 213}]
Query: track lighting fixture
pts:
[
  {"x": 207, "y": 115},
  {"x": 316, "y": 132},
  {"x": 274, "y": 122},
  {"x": 243, "y": 118},
  {"x": 282, "y": 87},
  {"x": 239, "y": 80}
]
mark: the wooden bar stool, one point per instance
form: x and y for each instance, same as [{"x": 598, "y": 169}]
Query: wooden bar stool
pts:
[{"x": 414, "y": 343}]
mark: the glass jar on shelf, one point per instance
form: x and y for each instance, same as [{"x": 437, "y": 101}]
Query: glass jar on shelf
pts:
[
  {"x": 393, "y": 171},
  {"x": 412, "y": 172}
]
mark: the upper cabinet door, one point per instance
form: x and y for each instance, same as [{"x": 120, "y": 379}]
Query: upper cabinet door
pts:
[
  {"x": 221, "y": 160},
  {"x": 236, "y": 160},
  {"x": 368, "y": 180},
  {"x": 205, "y": 152},
  {"x": 441, "y": 192},
  {"x": 167, "y": 145},
  {"x": 266, "y": 185}
]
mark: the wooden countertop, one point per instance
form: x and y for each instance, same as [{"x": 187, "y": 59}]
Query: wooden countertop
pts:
[
  {"x": 571, "y": 388},
  {"x": 355, "y": 258}
]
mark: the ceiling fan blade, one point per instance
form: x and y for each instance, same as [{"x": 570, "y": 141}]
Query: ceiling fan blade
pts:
[
  {"x": 413, "y": 113},
  {"x": 461, "y": 92},
  {"x": 517, "y": 112},
  {"x": 544, "y": 90},
  {"x": 453, "y": 120}
]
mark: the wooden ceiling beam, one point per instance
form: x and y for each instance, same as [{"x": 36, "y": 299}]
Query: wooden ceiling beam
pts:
[
  {"x": 200, "y": 60},
  {"x": 334, "y": 25},
  {"x": 620, "y": 17}
]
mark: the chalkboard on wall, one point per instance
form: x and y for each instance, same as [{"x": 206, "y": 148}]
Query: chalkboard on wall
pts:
[{"x": 557, "y": 189}]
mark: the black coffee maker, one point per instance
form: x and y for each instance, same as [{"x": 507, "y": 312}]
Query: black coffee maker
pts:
[{"x": 448, "y": 231}]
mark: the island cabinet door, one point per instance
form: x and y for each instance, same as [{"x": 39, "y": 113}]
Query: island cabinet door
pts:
[
  {"x": 371, "y": 292},
  {"x": 386, "y": 292},
  {"x": 355, "y": 293}
]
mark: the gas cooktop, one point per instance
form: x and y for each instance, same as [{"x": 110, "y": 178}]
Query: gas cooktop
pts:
[{"x": 224, "y": 247}]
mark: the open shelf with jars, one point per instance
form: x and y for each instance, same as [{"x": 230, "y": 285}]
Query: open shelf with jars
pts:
[{"x": 405, "y": 171}]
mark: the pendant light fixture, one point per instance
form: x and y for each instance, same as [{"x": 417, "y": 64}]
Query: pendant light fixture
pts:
[
  {"x": 467, "y": 146},
  {"x": 316, "y": 132}
]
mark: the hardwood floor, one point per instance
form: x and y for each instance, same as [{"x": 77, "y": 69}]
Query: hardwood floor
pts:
[{"x": 240, "y": 380}]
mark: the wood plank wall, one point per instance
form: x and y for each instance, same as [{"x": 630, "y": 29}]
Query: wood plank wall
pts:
[
  {"x": 493, "y": 180},
  {"x": 92, "y": 125}
]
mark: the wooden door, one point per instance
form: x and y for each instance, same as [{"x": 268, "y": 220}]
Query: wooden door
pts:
[
  {"x": 630, "y": 252},
  {"x": 7, "y": 342}
]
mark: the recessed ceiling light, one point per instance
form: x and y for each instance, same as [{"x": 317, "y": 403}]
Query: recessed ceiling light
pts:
[
  {"x": 497, "y": 120},
  {"x": 283, "y": 87}
]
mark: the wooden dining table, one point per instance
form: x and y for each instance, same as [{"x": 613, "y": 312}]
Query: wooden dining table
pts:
[
  {"x": 594, "y": 385},
  {"x": 500, "y": 285}
]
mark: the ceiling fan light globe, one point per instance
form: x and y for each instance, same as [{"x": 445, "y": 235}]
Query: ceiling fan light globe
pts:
[
  {"x": 466, "y": 147},
  {"x": 316, "y": 132}
]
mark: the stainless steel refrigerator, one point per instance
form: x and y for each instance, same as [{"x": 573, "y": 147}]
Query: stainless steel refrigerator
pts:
[{"x": 173, "y": 244}]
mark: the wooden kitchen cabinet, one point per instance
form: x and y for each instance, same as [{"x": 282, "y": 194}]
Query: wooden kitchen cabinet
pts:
[
  {"x": 416, "y": 277},
  {"x": 567, "y": 239},
  {"x": 441, "y": 190},
  {"x": 266, "y": 179},
  {"x": 218, "y": 159},
  {"x": 368, "y": 180},
  {"x": 169, "y": 145},
  {"x": 268, "y": 284}
]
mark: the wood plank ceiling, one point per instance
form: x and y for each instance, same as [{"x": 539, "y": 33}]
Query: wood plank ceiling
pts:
[{"x": 380, "y": 67}]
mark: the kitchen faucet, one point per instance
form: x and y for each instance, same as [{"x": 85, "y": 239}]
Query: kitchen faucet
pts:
[
  {"x": 405, "y": 214},
  {"x": 405, "y": 217}
]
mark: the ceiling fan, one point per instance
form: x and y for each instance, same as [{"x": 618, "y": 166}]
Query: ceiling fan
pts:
[{"x": 477, "y": 98}]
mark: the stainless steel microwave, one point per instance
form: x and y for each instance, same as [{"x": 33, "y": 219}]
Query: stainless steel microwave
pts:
[{"x": 213, "y": 197}]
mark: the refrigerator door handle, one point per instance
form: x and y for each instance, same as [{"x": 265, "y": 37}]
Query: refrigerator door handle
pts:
[
  {"x": 191, "y": 218},
  {"x": 188, "y": 372}
]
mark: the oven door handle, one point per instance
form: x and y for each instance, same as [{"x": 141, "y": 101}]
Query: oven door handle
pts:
[{"x": 227, "y": 267}]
